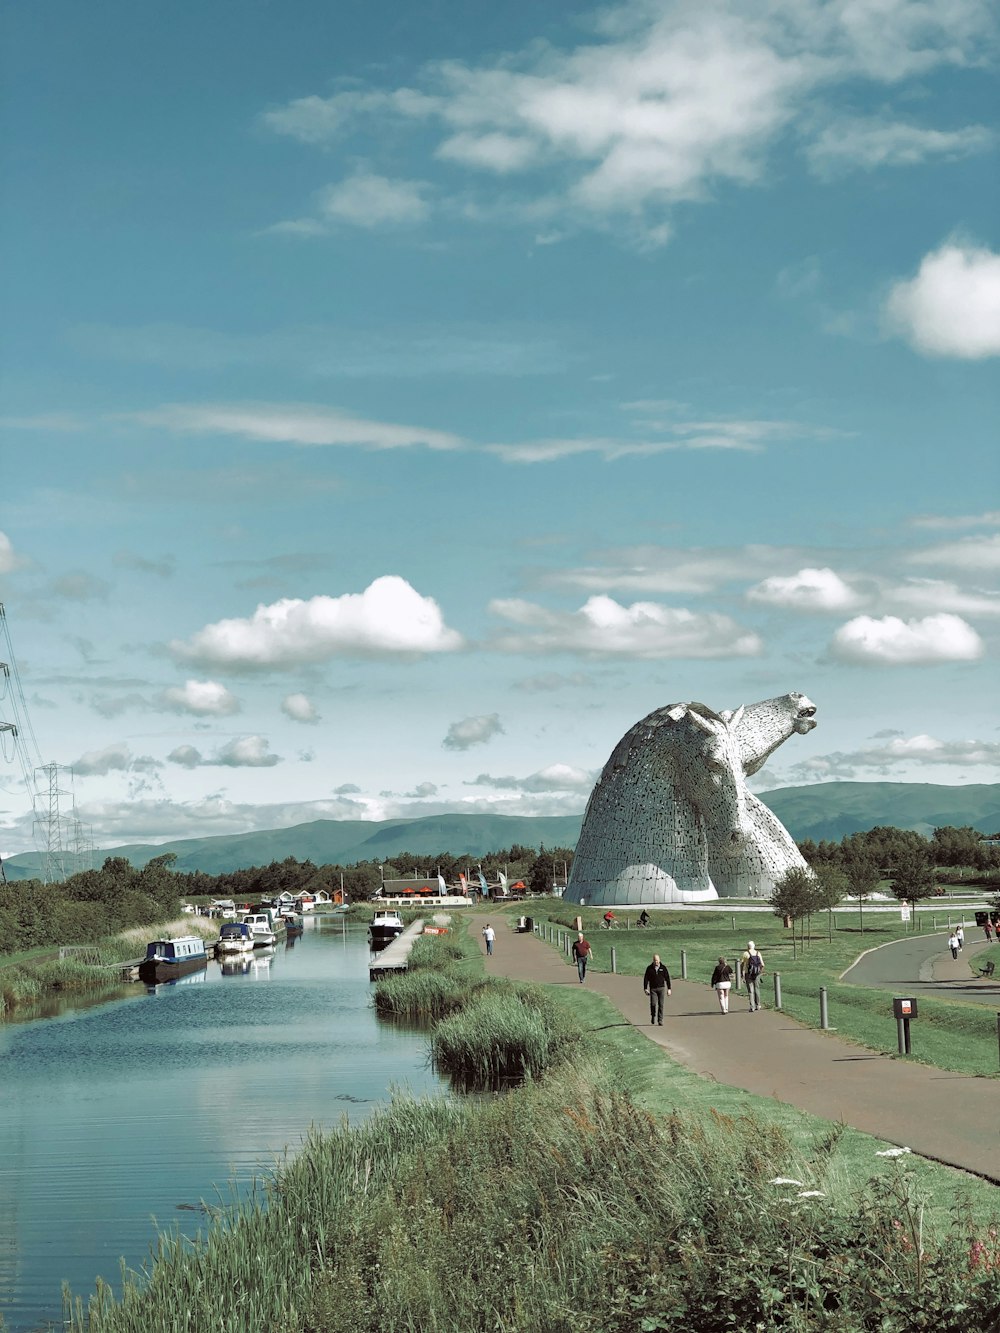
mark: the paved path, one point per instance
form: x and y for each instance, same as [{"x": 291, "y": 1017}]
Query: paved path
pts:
[
  {"x": 927, "y": 958},
  {"x": 952, "y": 1118}
]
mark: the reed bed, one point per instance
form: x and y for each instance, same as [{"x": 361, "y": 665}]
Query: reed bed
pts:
[
  {"x": 559, "y": 1207},
  {"x": 562, "y": 1208},
  {"x": 420, "y": 994},
  {"x": 504, "y": 1034}
]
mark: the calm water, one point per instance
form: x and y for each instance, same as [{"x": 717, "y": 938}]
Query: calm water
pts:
[{"x": 142, "y": 1108}]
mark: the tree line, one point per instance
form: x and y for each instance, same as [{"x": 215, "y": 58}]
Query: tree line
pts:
[{"x": 93, "y": 904}]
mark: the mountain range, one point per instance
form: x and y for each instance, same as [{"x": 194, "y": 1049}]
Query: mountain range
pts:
[{"x": 824, "y": 810}]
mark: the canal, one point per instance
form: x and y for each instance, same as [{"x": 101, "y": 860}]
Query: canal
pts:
[{"x": 120, "y": 1118}]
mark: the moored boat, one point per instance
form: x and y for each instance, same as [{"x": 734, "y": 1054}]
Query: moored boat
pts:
[
  {"x": 383, "y": 929},
  {"x": 168, "y": 959},
  {"x": 235, "y": 938},
  {"x": 261, "y": 930}
]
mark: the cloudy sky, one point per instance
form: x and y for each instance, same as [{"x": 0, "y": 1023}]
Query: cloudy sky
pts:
[{"x": 400, "y": 401}]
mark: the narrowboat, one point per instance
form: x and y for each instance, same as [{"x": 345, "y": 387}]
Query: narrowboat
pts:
[
  {"x": 383, "y": 929},
  {"x": 168, "y": 959}
]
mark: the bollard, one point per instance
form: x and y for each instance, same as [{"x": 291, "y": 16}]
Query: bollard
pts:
[
  {"x": 684, "y": 965},
  {"x": 777, "y": 990},
  {"x": 614, "y": 967},
  {"x": 734, "y": 925},
  {"x": 824, "y": 1019}
]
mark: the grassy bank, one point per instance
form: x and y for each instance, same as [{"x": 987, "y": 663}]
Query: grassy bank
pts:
[
  {"x": 614, "y": 1191},
  {"x": 28, "y": 979},
  {"x": 952, "y": 1035}
]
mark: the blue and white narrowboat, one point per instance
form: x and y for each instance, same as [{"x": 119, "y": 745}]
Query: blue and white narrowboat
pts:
[{"x": 168, "y": 959}]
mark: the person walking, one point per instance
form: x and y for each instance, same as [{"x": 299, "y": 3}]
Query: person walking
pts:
[
  {"x": 656, "y": 980},
  {"x": 489, "y": 935},
  {"x": 960, "y": 936},
  {"x": 953, "y": 944},
  {"x": 722, "y": 980},
  {"x": 581, "y": 952},
  {"x": 988, "y": 930},
  {"x": 751, "y": 970}
]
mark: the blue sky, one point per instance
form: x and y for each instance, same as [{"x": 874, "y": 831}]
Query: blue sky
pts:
[{"x": 399, "y": 403}]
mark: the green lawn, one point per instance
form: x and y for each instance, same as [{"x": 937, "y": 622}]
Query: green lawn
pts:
[
  {"x": 951, "y": 1035},
  {"x": 846, "y": 1156}
]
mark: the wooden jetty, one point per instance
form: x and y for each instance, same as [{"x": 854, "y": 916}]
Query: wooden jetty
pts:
[{"x": 395, "y": 957}]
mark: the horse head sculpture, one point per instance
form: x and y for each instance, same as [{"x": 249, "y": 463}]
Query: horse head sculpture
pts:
[{"x": 671, "y": 819}]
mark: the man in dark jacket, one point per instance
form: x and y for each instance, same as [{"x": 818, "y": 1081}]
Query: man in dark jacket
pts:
[
  {"x": 581, "y": 952},
  {"x": 656, "y": 980}
]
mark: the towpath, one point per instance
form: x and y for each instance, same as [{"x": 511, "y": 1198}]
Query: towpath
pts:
[{"x": 951, "y": 1118}]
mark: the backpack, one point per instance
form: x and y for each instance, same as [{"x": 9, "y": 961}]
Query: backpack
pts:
[{"x": 754, "y": 967}]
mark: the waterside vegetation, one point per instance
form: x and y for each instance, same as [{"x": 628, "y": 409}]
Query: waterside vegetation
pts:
[{"x": 566, "y": 1204}]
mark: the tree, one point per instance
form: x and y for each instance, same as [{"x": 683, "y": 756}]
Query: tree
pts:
[
  {"x": 794, "y": 897},
  {"x": 913, "y": 875},
  {"x": 862, "y": 873},
  {"x": 542, "y": 873},
  {"x": 829, "y": 889}
]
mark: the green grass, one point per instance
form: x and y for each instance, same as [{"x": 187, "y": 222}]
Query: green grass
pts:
[
  {"x": 571, "y": 1205},
  {"x": 951, "y": 1035}
]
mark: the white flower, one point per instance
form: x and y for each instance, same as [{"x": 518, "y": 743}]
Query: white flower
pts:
[
  {"x": 811, "y": 1194},
  {"x": 892, "y": 1152},
  {"x": 785, "y": 1180}
]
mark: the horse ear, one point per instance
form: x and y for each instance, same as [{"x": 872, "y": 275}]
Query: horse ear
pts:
[
  {"x": 702, "y": 722},
  {"x": 734, "y": 719}
]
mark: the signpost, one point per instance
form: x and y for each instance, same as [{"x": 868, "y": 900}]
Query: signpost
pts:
[{"x": 904, "y": 1009}]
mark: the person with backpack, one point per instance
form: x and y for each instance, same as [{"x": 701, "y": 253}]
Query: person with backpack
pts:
[
  {"x": 722, "y": 980},
  {"x": 751, "y": 970}
]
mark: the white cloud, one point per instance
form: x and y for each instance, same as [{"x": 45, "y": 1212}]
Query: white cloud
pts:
[
  {"x": 894, "y": 642},
  {"x": 292, "y": 423},
  {"x": 556, "y": 777},
  {"x": 938, "y": 595},
  {"x": 9, "y": 561},
  {"x": 990, "y": 519},
  {"x": 245, "y": 752},
  {"x": 808, "y": 590},
  {"x": 972, "y": 553},
  {"x": 501, "y": 153},
  {"x": 300, "y": 708},
  {"x": 369, "y": 200},
  {"x": 952, "y": 306},
  {"x": 674, "y": 569},
  {"x": 869, "y": 143},
  {"x": 98, "y": 763},
  {"x": 203, "y": 698},
  {"x": 604, "y": 628},
  {"x": 473, "y": 731},
  {"x": 186, "y": 756},
  {"x": 662, "y": 101},
  {"x": 910, "y": 753},
  {"x": 389, "y": 619}
]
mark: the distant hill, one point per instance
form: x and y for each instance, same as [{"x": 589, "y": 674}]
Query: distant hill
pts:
[
  {"x": 825, "y": 810},
  {"x": 835, "y": 809}
]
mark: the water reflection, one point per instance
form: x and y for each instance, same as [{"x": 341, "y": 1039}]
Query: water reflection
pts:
[{"x": 145, "y": 1107}]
